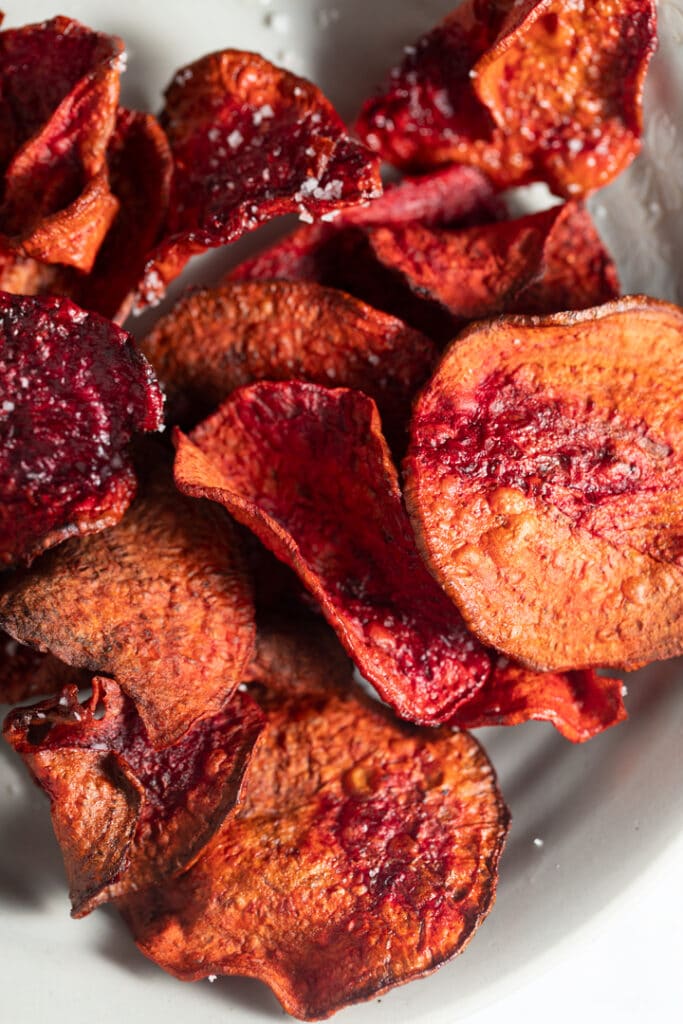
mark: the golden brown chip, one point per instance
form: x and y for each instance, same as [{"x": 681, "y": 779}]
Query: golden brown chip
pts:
[
  {"x": 127, "y": 816},
  {"x": 217, "y": 339},
  {"x": 160, "y": 602},
  {"x": 364, "y": 854},
  {"x": 545, "y": 483}
]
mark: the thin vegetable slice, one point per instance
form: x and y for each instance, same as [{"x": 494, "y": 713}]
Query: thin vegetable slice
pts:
[
  {"x": 217, "y": 339},
  {"x": 128, "y": 816},
  {"x": 161, "y": 602},
  {"x": 25, "y": 672},
  {"x": 250, "y": 141},
  {"x": 544, "y": 481},
  {"x": 364, "y": 854},
  {"x": 532, "y": 91},
  {"x": 73, "y": 389}
]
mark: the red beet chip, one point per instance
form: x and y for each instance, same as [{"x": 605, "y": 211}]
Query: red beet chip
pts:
[
  {"x": 364, "y": 854},
  {"x": 250, "y": 141},
  {"x": 73, "y": 389},
  {"x": 25, "y": 672},
  {"x": 308, "y": 471},
  {"x": 531, "y": 91},
  {"x": 217, "y": 339},
  {"x": 544, "y": 480},
  {"x": 140, "y": 167},
  {"x": 126, "y": 815},
  {"x": 161, "y": 602},
  {"x": 59, "y": 83}
]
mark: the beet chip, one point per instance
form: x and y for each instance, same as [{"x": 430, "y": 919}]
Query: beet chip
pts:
[
  {"x": 364, "y": 853},
  {"x": 217, "y": 339},
  {"x": 127, "y": 816},
  {"x": 540, "y": 90},
  {"x": 59, "y": 88},
  {"x": 160, "y": 602},
  {"x": 308, "y": 470},
  {"x": 250, "y": 141},
  {"x": 25, "y": 672},
  {"x": 73, "y": 389},
  {"x": 545, "y": 483}
]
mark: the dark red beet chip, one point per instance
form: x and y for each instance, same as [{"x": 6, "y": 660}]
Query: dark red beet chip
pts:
[
  {"x": 126, "y": 815},
  {"x": 25, "y": 672},
  {"x": 73, "y": 389},
  {"x": 250, "y": 141}
]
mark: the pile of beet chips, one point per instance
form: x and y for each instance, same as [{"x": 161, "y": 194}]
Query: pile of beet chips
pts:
[{"x": 462, "y": 447}]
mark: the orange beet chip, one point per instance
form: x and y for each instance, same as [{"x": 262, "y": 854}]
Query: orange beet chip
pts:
[
  {"x": 128, "y": 816},
  {"x": 364, "y": 853},
  {"x": 544, "y": 481},
  {"x": 217, "y": 339},
  {"x": 59, "y": 87},
  {"x": 532, "y": 91},
  {"x": 73, "y": 390},
  {"x": 308, "y": 470},
  {"x": 250, "y": 141},
  {"x": 160, "y": 602},
  {"x": 25, "y": 672}
]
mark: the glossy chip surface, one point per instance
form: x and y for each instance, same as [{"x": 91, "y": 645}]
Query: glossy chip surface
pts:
[
  {"x": 73, "y": 389},
  {"x": 161, "y": 602},
  {"x": 128, "y": 816},
  {"x": 532, "y": 91},
  {"x": 250, "y": 141},
  {"x": 544, "y": 481},
  {"x": 364, "y": 854},
  {"x": 217, "y": 339}
]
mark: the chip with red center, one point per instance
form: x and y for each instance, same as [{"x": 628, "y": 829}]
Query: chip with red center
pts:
[
  {"x": 59, "y": 87},
  {"x": 364, "y": 853},
  {"x": 126, "y": 815},
  {"x": 544, "y": 481},
  {"x": 73, "y": 390},
  {"x": 161, "y": 602},
  {"x": 540, "y": 90},
  {"x": 308, "y": 471},
  {"x": 217, "y": 339},
  {"x": 250, "y": 141}
]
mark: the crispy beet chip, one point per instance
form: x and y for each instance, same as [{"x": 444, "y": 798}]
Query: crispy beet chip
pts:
[
  {"x": 298, "y": 655},
  {"x": 160, "y": 602},
  {"x": 127, "y": 816},
  {"x": 537, "y": 90},
  {"x": 308, "y": 470},
  {"x": 364, "y": 853},
  {"x": 73, "y": 389},
  {"x": 217, "y": 339},
  {"x": 250, "y": 141},
  {"x": 26, "y": 673},
  {"x": 59, "y": 83},
  {"x": 579, "y": 272},
  {"x": 140, "y": 167},
  {"x": 545, "y": 483}
]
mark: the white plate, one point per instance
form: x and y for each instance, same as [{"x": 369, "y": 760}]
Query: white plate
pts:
[{"x": 588, "y": 921}]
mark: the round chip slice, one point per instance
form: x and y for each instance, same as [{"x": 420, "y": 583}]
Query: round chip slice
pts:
[
  {"x": 364, "y": 854},
  {"x": 545, "y": 483}
]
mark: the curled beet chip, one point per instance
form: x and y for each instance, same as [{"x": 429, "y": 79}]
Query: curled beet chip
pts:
[
  {"x": 59, "y": 85},
  {"x": 161, "y": 602},
  {"x": 25, "y": 672},
  {"x": 530, "y": 91},
  {"x": 126, "y": 815},
  {"x": 217, "y": 339},
  {"x": 308, "y": 470},
  {"x": 73, "y": 389},
  {"x": 544, "y": 482},
  {"x": 140, "y": 166},
  {"x": 250, "y": 141},
  {"x": 364, "y": 853},
  {"x": 298, "y": 655}
]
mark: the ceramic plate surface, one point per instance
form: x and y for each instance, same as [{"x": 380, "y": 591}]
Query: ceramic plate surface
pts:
[{"x": 587, "y": 923}]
